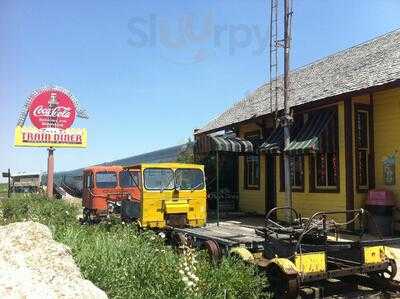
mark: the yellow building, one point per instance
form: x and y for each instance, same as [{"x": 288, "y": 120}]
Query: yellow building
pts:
[{"x": 345, "y": 137}]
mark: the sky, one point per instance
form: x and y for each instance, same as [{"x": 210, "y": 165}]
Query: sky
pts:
[{"x": 149, "y": 72}]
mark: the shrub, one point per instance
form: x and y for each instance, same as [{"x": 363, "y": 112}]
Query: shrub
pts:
[{"x": 127, "y": 263}]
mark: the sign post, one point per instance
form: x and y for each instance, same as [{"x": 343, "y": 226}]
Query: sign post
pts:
[
  {"x": 8, "y": 175},
  {"x": 9, "y": 184},
  {"x": 52, "y": 111}
]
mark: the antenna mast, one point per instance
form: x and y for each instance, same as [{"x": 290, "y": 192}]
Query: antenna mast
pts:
[
  {"x": 286, "y": 120},
  {"x": 273, "y": 58}
]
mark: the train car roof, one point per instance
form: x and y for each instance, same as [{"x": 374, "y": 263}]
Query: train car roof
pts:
[
  {"x": 165, "y": 165},
  {"x": 101, "y": 168}
]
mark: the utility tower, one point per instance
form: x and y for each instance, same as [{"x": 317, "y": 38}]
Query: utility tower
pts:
[{"x": 285, "y": 120}]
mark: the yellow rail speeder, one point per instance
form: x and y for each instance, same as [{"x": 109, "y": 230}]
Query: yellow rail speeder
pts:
[{"x": 171, "y": 195}]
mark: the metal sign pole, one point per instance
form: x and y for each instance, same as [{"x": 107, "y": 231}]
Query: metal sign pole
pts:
[
  {"x": 9, "y": 184},
  {"x": 50, "y": 172}
]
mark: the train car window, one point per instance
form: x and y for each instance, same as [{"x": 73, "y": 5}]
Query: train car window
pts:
[
  {"x": 158, "y": 179},
  {"x": 106, "y": 180},
  {"x": 129, "y": 179},
  {"x": 189, "y": 179},
  {"x": 89, "y": 180}
]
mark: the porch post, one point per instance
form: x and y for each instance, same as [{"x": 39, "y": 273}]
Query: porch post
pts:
[{"x": 348, "y": 122}]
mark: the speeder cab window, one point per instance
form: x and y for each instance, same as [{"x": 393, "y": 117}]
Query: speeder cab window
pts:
[
  {"x": 129, "y": 179},
  {"x": 189, "y": 179},
  {"x": 158, "y": 179},
  {"x": 106, "y": 180}
]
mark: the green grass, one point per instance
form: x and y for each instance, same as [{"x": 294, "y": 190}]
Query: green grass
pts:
[
  {"x": 126, "y": 263},
  {"x": 3, "y": 188}
]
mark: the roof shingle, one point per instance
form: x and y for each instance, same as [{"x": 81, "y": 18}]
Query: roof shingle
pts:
[{"x": 370, "y": 64}]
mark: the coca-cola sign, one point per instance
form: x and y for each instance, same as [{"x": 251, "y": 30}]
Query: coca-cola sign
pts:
[{"x": 52, "y": 108}]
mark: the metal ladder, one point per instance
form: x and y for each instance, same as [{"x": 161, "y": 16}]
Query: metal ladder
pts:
[{"x": 273, "y": 57}]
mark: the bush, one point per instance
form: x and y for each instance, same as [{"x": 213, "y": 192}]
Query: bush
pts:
[{"x": 126, "y": 263}]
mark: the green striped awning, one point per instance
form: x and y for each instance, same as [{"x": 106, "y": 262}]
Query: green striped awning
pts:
[
  {"x": 226, "y": 143},
  {"x": 274, "y": 143},
  {"x": 307, "y": 140}
]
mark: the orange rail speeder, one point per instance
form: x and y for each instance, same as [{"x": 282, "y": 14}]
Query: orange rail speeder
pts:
[{"x": 105, "y": 188}]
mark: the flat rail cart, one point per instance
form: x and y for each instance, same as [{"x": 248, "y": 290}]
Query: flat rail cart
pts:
[
  {"x": 311, "y": 249},
  {"x": 221, "y": 239},
  {"x": 308, "y": 251}
]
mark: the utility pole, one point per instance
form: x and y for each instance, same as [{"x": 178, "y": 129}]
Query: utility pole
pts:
[{"x": 287, "y": 119}]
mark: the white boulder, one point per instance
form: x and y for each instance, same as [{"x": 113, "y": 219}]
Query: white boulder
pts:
[{"x": 33, "y": 265}]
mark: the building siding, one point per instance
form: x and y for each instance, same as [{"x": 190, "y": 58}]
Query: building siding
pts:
[
  {"x": 359, "y": 197},
  {"x": 386, "y": 113},
  {"x": 307, "y": 203},
  {"x": 387, "y": 135},
  {"x": 252, "y": 201}
]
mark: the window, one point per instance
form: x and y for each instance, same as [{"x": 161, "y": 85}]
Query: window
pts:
[
  {"x": 129, "y": 179},
  {"x": 189, "y": 179},
  {"x": 106, "y": 180},
  {"x": 324, "y": 165},
  {"x": 362, "y": 147},
  {"x": 89, "y": 180},
  {"x": 326, "y": 171},
  {"x": 252, "y": 172},
  {"x": 297, "y": 173},
  {"x": 252, "y": 165},
  {"x": 158, "y": 179}
]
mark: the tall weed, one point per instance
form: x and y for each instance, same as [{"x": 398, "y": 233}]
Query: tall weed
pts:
[{"x": 126, "y": 263}]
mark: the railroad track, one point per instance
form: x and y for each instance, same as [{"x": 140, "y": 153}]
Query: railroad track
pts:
[{"x": 356, "y": 286}]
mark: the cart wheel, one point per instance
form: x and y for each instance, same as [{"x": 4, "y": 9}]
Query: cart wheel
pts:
[
  {"x": 282, "y": 285},
  {"x": 190, "y": 242},
  {"x": 86, "y": 216},
  {"x": 213, "y": 250},
  {"x": 389, "y": 273},
  {"x": 178, "y": 240}
]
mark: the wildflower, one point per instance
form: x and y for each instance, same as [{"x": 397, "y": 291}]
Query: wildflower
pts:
[{"x": 187, "y": 270}]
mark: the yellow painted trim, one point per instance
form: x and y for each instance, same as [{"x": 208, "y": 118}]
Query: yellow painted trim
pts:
[
  {"x": 374, "y": 254},
  {"x": 242, "y": 252},
  {"x": 314, "y": 262},
  {"x": 285, "y": 265}
]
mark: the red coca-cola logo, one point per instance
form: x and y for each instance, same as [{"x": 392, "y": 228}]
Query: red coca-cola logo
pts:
[{"x": 52, "y": 109}]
